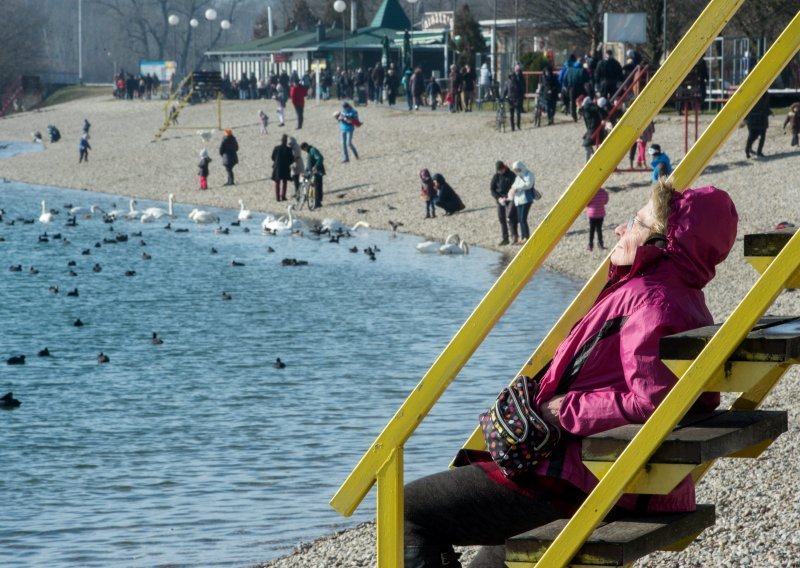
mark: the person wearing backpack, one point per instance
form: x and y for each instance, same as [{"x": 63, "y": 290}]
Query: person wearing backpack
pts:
[{"x": 348, "y": 122}]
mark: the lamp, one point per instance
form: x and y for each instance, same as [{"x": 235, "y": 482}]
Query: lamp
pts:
[
  {"x": 225, "y": 24},
  {"x": 173, "y": 22},
  {"x": 194, "y": 23},
  {"x": 340, "y": 7},
  {"x": 211, "y": 15},
  {"x": 413, "y": 17}
]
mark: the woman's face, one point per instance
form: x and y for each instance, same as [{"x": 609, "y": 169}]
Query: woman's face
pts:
[{"x": 632, "y": 238}]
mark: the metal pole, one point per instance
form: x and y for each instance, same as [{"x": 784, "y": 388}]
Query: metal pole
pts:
[
  {"x": 664, "y": 28},
  {"x": 494, "y": 44},
  {"x": 344, "y": 44},
  {"x": 516, "y": 31},
  {"x": 80, "y": 41}
]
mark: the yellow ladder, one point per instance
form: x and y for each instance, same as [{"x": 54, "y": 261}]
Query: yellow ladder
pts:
[
  {"x": 170, "y": 113},
  {"x": 383, "y": 461}
]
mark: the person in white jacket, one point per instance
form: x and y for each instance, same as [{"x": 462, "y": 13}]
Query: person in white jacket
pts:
[{"x": 522, "y": 192}]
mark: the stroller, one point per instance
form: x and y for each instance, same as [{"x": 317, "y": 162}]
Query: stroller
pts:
[{"x": 53, "y": 133}]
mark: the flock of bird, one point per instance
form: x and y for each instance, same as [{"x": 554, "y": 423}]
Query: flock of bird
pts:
[{"x": 286, "y": 225}]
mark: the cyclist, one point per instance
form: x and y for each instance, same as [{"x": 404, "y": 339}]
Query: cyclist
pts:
[{"x": 315, "y": 167}]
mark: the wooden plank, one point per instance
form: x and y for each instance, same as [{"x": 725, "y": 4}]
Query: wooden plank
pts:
[
  {"x": 773, "y": 339},
  {"x": 767, "y": 244},
  {"x": 618, "y": 542},
  {"x": 697, "y": 439}
]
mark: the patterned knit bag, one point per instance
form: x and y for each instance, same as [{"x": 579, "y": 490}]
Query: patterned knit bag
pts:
[{"x": 516, "y": 436}]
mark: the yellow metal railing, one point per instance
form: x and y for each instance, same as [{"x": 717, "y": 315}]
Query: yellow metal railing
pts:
[{"x": 382, "y": 463}]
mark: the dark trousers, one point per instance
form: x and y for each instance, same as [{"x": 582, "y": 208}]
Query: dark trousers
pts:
[
  {"x": 515, "y": 108},
  {"x": 522, "y": 218},
  {"x": 752, "y": 134},
  {"x": 507, "y": 215},
  {"x": 463, "y": 506},
  {"x": 229, "y": 169},
  {"x": 280, "y": 190},
  {"x": 318, "y": 190},
  {"x": 596, "y": 226},
  {"x": 574, "y": 92},
  {"x": 299, "y": 110}
]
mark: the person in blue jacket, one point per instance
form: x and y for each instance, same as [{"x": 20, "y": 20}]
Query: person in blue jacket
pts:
[
  {"x": 348, "y": 121},
  {"x": 660, "y": 164}
]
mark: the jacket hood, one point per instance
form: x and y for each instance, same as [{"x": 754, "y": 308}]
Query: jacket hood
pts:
[
  {"x": 701, "y": 231},
  {"x": 439, "y": 178},
  {"x": 424, "y": 174},
  {"x": 518, "y": 165}
]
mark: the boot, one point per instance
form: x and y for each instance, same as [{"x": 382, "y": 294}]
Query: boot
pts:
[{"x": 430, "y": 557}]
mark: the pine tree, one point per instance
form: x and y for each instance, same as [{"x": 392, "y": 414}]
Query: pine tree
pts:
[
  {"x": 470, "y": 41},
  {"x": 301, "y": 17}
]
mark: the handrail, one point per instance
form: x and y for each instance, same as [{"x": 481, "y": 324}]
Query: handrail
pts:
[
  {"x": 751, "y": 308},
  {"x": 637, "y": 76},
  {"x": 530, "y": 257}
]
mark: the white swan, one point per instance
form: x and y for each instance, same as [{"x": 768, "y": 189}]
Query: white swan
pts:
[
  {"x": 46, "y": 216},
  {"x": 454, "y": 245},
  {"x": 334, "y": 226},
  {"x": 266, "y": 222},
  {"x": 283, "y": 226},
  {"x": 153, "y": 213},
  {"x": 429, "y": 247},
  {"x": 203, "y": 217},
  {"x": 132, "y": 213},
  {"x": 244, "y": 214},
  {"x": 77, "y": 210}
]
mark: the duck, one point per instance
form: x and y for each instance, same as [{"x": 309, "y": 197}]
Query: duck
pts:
[
  {"x": 395, "y": 225},
  {"x": 97, "y": 267},
  {"x": 71, "y": 222},
  {"x": 103, "y": 358},
  {"x": 226, "y": 296},
  {"x": 44, "y": 352},
  {"x": 353, "y": 249},
  {"x": 71, "y": 263},
  {"x": 203, "y": 217},
  {"x": 130, "y": 273},
  {"x": 33, "y": 270},
  {"x": 73, "y": 293},
  {"x": 86, "y": 252},
  {"x": 152, "y": 213},
  {"x": 146, "y": 256},
  {"x": 278, "y": 364},
  {"x": 454, "y": 245},
  {"x": 8, "y": 401},
  {"x": 15, "y": 268},
  {"x": 72, "y": 273},
  {"x": 156, "y": 340},
  {"x": 236, "y": 263},
  {"x": 78, "y": 323},
  {"x": 214, "y": 251},
  {"x": 16, "y": 360},
  {"x": 53, "y": 289},
  {"x": 270, "y": 250},
  {"x": 244, "y": 214},
  {"x": 132, "y": 212},
  {"x": 46, "y": 216},
  {"x": 182, "y": 230}
]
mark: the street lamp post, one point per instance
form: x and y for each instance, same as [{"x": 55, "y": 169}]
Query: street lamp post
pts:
[
  {"x": 173, "y": 22},
  {"x": 413, "y": 17},
  {"x": 211, "y": 15},
  {"x": 340, "y": 7}
]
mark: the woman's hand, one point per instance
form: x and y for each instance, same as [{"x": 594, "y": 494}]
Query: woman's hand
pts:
[{"x": 551, "y": 409}]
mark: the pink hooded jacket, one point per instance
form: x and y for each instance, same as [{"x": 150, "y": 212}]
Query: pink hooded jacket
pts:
[{"x": 608, "y": 368}]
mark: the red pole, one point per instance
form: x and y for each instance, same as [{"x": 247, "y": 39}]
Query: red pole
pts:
[
  {"x": 685, "y": 127},
  {"x": 696, "y": 117}
]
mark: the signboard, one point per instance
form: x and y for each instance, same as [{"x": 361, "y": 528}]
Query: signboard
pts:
[
  {"x": 437, "y": 20},
  {"x": 161, "y": 69},
  {"x": 280, "y": 57},
  {"x": 625, "y": 28}
]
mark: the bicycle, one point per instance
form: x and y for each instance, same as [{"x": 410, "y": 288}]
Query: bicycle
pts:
[
  {"x": 500, "y": 116},
  {"x": 306, "y": 193},
  {"x": 541, "y": 108}
]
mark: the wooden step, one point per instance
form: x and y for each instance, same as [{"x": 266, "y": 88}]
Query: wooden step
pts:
[
  {"x": 761, "y": 248},
  {"x": 699, "y": 438},
  {"x": 615, "y": 543},
  {"x": 775, "y": 339}
]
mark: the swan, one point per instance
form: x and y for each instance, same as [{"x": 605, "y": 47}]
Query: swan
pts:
[
  {"x": 429, "y": 247},
  {"x": 334, "y": 226},
  {"x": 450, "y": 246},
  {"x": 284, "y": 226},
  {"x": 46, "y": 216},
  {"x": 203, "y": 217},
  {"x": 153, "y": 213},
  {"x": 267, "y": 220},
  {"x": 244, "y": 214},
  {"x": 77, "y": 210},
  {"x": 132, "y": 213}
]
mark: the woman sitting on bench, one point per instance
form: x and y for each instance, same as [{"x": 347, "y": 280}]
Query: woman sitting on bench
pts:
[{"x": 605, "y": 373}]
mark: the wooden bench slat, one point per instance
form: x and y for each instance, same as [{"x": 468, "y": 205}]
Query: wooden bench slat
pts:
[
  {"x": 615, "y": 543},
  {"x": 697, "y": 439},
  {"x": 774, "y": 339}
]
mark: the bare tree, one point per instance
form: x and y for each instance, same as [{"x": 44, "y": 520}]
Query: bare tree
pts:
[{"x": 19, "y": 35}]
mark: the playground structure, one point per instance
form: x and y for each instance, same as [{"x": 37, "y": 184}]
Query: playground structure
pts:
[
  {"x": 24, "y": 93},
  {"x": 196, "y": 86},
  {"x": 641, "y": 462}
]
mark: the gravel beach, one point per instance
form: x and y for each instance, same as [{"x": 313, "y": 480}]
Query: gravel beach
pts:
[{"x": 758, "y": 507}]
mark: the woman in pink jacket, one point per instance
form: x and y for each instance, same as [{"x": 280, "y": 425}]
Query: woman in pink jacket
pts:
[
  {"x": 596, "y": 211},
  {"x": 604, "y": 374}
]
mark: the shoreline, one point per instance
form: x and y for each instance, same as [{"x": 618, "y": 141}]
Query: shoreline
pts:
[{"x": 394, "y": 145}]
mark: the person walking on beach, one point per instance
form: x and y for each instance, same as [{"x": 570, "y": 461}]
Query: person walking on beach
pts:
[
  {"x": 315, "y": 168},
  {"x": 514, "y": 91},
  {"x": 229, "y": 149},
  {"x": 298, "y": 95},
  {"x": 757, "y": 122},
  {"x": 282, "y": 160},
  {"x": 522, "y": 193},
  {"x": 793, "y": 120},
  {"x": 660, "y": 163},
  {"x": 264, "y": 119},
  {"x": 434, "y": 92},
  {"x": 86, "y": 126},
  {"x": 298, "y": 166},
  {"x": 467, "y": 87},
  {"x": 202, "y": 168},
  {"x": 392, "y": 84},
  {"x": 280, "y": 98},
  {"x": 501, "y": 184},
  {"x": 427, "y": 193},
  {"x": 83, "y": 148},
  {"x": 348, "y": 122},
  {"x": 596, "y": 212}
]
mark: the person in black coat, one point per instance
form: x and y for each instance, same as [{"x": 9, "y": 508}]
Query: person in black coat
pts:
[
  {"x": 229, "y": 149},
  {"x": 506, "y": 210},
  {"x": 757, "y": 123},
  {"x": 446, "y": 197},
  {"x": 282, "y": 160},
  {"x": 608, "y": 75}
]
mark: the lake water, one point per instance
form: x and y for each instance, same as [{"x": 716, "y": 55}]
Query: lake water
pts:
[{"x": 198, "y": 451}]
